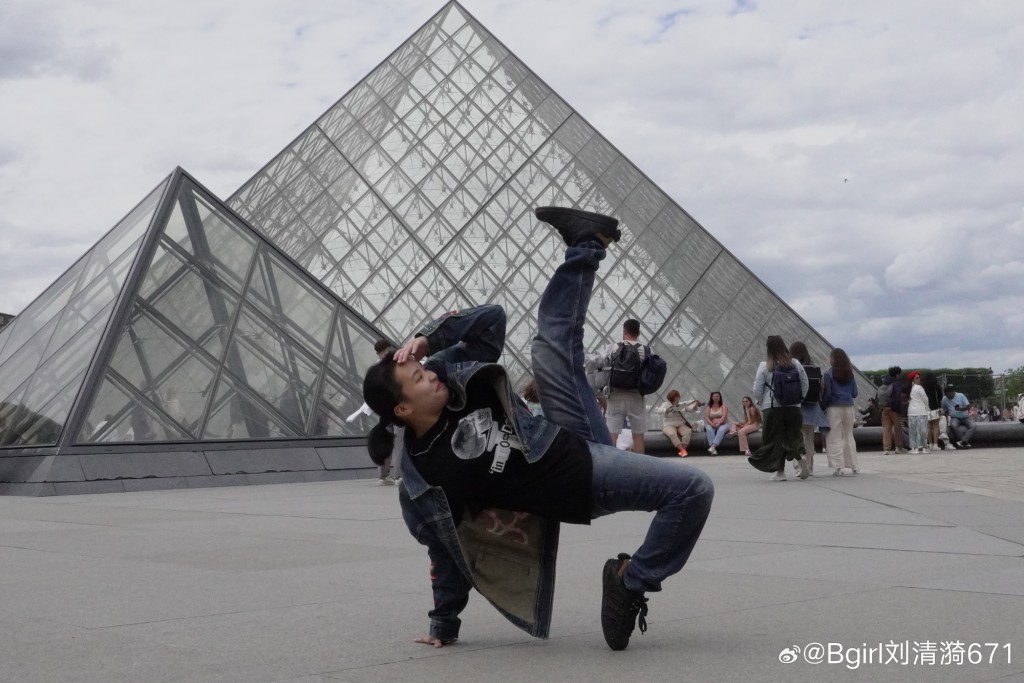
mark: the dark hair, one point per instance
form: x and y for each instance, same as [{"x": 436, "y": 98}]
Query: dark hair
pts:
[
  {"x": 895, "y": 371},
  {"x": 798, "y": 350},
  {"x": 381, "y": 345},
  {"x": 842, "y": 369},
  {"x": 757, "y": 411},
  {"x": 530, "y": 392},
  {"x": 711, "y": 398},
  {"x": 776, "y": 353},
  {"x": 672, "y": 394},
  {"x": 631, "y": 327},
  {"x": 382, "y": 393}
]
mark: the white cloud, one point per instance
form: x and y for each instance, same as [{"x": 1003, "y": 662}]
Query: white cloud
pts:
[{"x": 751, "y": 120}]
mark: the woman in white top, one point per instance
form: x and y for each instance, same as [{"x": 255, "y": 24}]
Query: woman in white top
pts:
[
  {"x": 716, "y": 421},
  {"x": 917, "y": 415}
]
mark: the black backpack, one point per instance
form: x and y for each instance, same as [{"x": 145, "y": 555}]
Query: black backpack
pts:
[
  {"x": 785, "y": 386},
  {"x": 813, "y": 394},
  {"x": 652, "y": 374},
  {"x": 625, "y": 367}
]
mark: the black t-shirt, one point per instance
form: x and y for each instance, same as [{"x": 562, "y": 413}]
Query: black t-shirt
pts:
[{"x": 474, "y": 456}]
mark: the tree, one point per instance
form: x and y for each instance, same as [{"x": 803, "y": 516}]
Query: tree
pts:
[{"x": 1014, "y": 383}]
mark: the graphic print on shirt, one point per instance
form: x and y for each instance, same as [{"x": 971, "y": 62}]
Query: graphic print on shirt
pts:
[{"x": 477, "y": 434}]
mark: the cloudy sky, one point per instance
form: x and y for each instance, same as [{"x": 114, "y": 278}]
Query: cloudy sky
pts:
[{"x": 864, "y": 159}]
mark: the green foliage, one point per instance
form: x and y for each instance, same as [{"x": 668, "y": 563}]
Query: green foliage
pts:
[
  {"x": 975, "y": 383},
  {"x": 1014, "y": 383}
]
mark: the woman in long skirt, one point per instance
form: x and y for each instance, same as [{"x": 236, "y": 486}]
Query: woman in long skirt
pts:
[{"x": 780, "y": 435}]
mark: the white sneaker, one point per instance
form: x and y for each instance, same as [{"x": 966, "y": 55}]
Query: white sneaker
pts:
[
  {"x": 386, "y": 481},
  {"x": 886, "y": 452},
  {"x": 854, "y": 471},
  {"x": 712, "y": 450},
  {"x": 916, "y": 451},
  {"x": 804, "y": 470},
  {"x": 933, "y": 447},
  {"x": 950, "y": 447},
  {"x": 838, "y": 472},
  {"x": 778, "y": 476}
]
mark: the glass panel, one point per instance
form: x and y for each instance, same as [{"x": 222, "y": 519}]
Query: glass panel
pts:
[
  {"x": 46, "y": 309},
  {"x": 275, "y": 367},
  {"x": 453, "y": 20},
  {"x": 406, "y": 58},
  {"x": 490, "y": 54},
  {"x": 90, "y": 300},
  {"x": 23, "y": 363},
  {"x": 22, "y": 426},
  {"x": 704, "y": 304},
  {"x": 339, "y": 400},
  {"x": 239, "y": 415},
  {"x": 354, "y": 141},
  {"x": 426, "y": 77},
  {"x": 448, "y": 56},
  {"x": 726, "y": 275},
  {"x": 124, "y": 236},
  {"x": 282, "y": 295},
  {"x": 198, "y": 306},
  {"x": 119, "y": 415},
  {"x": 173, "y": 375},
  {"x": 228, "y": 250},
  {"x": 39, "y": 416},
  {"x": 335, "y": 121}
]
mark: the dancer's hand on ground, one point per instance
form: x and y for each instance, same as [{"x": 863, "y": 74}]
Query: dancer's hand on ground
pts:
[
  {"x": 436, "y": 642},
  {"x": 414, "y": 348}
]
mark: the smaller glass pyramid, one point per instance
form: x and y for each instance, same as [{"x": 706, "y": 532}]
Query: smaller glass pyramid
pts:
[{"x": 182, "y": 324}]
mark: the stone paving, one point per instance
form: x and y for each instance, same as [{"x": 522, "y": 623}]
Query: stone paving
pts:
[{"x": 320, "y": 582}]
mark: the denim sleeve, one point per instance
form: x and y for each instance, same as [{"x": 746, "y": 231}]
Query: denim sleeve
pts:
[
  {"x": 451, "y": 593},
  {"x": 472, "y": 334},
  {"x": 449, "y": 586}
]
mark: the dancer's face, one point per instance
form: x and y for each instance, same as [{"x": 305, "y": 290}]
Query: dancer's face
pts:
[{"x": 424, "y": 395}]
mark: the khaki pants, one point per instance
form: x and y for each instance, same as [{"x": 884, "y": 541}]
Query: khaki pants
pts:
[
  {"x": 892, "y": 430},
  {"x": 679, "y": 436},
  {"x": 840, "y": 446}
]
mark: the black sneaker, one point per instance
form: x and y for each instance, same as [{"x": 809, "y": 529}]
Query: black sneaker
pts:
[
  {"x": 620, "y": 606},
  {"x": 576, "y": 226}
]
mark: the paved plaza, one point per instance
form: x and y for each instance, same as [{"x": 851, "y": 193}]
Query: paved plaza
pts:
[{"x": 917, "y": 558}]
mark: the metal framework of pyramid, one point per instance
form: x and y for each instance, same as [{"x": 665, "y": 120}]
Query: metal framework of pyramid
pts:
[
  {"x": 198, "y": 344},
  {"x": 413, "y": 195},
  {"x": 175, "y": 345}
]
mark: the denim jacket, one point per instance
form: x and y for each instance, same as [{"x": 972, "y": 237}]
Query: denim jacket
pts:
[{"x": 509, "y": 557}]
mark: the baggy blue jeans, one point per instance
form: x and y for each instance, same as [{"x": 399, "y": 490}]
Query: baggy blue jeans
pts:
[{"x": 678, "y": 494}]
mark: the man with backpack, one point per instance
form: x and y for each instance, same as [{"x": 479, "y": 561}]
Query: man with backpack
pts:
[
  {"x": 624, "y": 362},
  {"x": 890, "y": 402}
]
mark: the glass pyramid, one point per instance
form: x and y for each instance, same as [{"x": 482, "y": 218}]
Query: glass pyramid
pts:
[
  {"x": 181, "y": 325},
  {"x": 46, "y": 351},
  {"x": 413, "y": 195}
]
